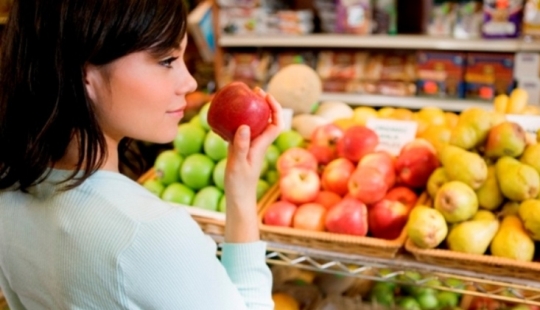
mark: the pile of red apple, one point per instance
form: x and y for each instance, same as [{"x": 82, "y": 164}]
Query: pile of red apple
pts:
[{"x": 341, "y": 183}]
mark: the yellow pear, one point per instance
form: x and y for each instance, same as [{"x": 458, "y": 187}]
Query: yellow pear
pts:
[
  {"x": 461, "y": 165},
  {"x": 426, "y": 227},
  {"x": 451, "y": 119},
  {"x": 512, "y": 241},
  {"x": 385, "y": 112},
  {"x": 518, "y": 101},
  {"x": 464, "y": 136},
  {"x": 505, "y": 139},
  {"x": 529, "y": 212},
  {"x": 484, "y": 215},
  {"x": 510, "y": 208},
  {"x": 362, "y": 114},
  {"x": 531, "y": 156},
  {"x": 489, "y": 194},
  {"x": 402, "y": 114},
  {"x": 456, "y": 201},
  {"x": 517, "y": 181},
  {"x": 435, "y": 181},
  {"x": 473, "y": 237},
  {"x": 500, "y": 103},
  {"x": 437, "y": 135},
  {"x": 433, "y": 115}
]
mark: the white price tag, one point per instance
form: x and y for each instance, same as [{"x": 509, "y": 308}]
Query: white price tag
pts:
[
  {"x": 530, "y": 123},
  {"x": 393, "y": 134}
]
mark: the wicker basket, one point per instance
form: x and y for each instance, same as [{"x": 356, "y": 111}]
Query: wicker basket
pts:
[
  {"x": 210, "y": 222},
  {"x": 339, "y": 243}
]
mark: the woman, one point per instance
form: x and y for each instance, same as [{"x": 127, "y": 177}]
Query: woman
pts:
[{"x": 78, "y": 78}]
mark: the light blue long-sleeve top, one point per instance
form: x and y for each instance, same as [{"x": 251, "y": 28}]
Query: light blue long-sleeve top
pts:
[{"x": 111, "y": 244}]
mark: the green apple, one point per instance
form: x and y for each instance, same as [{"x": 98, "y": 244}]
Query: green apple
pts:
[
  {"x": 218, "y": 174},
  {"x": 189, "y": 139},
  {"x": 288, "y": 139},
  {"x": 208, "y": 198},
  {"x": 203, "y": 116},
  {"x": 409, "y": 303},
  {"x": 196, "y": 171},
  {"x": 154, "y": 186},
  {"x": 272, "y": 155},
  {"x": 447, "y": 300},
  {"x": 427, "y": 301},
  {"x": 271, "y": 176},
  {"x": 222, "y": 206},
  {"x": 262, "y": 188},
  {"x": 196, "y": 120},
  {"x": 265, "y": 166},
  {"x": 215, "y": 146},
  {"x": 167, "y": 165},
  {"x": 178, "y": 193}
]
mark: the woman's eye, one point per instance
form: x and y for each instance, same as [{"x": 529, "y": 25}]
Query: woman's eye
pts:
[{"x": 168, "y": 62}]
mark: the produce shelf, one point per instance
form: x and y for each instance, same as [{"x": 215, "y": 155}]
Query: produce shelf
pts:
[
  {"x": 396, "y": 270},
  {"x": 379, "y": 41},
  {"x": 456, "y": 105}
]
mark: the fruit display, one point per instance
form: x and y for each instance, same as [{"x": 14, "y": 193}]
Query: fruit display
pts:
[
  {"x": 192, "y": 173},
  {"x": 340, "y": 183},
  {"x": 485, "y": 196}
]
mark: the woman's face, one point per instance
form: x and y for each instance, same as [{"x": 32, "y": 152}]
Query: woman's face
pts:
[{"x": 141, "y": 97}]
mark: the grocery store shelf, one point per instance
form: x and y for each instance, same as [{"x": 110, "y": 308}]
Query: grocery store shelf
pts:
[
  {"x": 405, "y": 102},
  {"x": 395, "y": 270},
  {"x": 378, "y": 41}
]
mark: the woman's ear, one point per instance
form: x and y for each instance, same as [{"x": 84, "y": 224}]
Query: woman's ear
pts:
[{"x": 92, "y": 80}]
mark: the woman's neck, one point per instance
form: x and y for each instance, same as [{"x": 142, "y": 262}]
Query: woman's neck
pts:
[{"x": 71, "y": 157}]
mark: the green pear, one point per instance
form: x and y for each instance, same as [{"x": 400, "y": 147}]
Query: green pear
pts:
[
  {"x": 517, "y": 181},
  {"x": 426, "y": 227},
  {"x": 489, "y": 194},
  {"x": 512, "y": 241},
  {"x": 435, "y": 181},
  {"x": 529, "y": 212},
  {"x": 505, "y": 139},
  {"x": 530, "y": 156},
  {"x": 484, "y": 215},
  {"x": 473, "y": 237},
  {"x": 481, "y": 121},
  {"x": 461, "y": 165},
  {"x": 456, "y": 201}
]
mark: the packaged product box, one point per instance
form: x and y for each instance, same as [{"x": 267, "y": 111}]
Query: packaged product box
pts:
[
  {"x": 354, "y": 16},
  {"x": 502, "y": 18},
  {"x": 398, "y": 67},
  {"x": 250, "y": 68},
  {"x": 531, "y": 19},
  {"x": 326, "y": 12},
  {"x": 442, "y": 18},
  {"x": 441, "y": 74},
  {"x": 239, "y": 3},
  {"x": 488, "y": 75},
  {"x": 470, "y": 18},
  {"x": 241, "y": 21}
]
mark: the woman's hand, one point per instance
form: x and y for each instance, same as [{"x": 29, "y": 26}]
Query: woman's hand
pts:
[{"x": 244, "y": 164}]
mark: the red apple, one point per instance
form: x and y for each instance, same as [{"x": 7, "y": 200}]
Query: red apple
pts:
[
  {"x": 335, "y": 176},
  {"x": 279, "y": 213},
  {"x": 415, "y": 165},
  {"x": 327, "y": 198},
  {"x": 382, "y": 161},
  {"x": 386, "y": 219},
  {"x": 419, "y": 142},
  {"x": 356, "y": 142},
  {"x": 349, "y": 216},
  {"x": 326, "y": 135},
  {"x": 310, "y": 216},
  {"x": 299, "y": 185},
  {"x": 295, "y": 157},
  {"x": 402, "y": 194},
  {"x": 234, "y": 105},
  {"x": 324, "y": 154},
  {"x": 367, "y": 184}
]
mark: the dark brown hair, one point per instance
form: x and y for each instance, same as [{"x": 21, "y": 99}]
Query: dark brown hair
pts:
[{"x": 43, "y": 102}]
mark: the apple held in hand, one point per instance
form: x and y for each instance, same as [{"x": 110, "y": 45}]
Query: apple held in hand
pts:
[
  {"x": 295, "y": 157},
  {"x": 310, "y": 216},
  {"x": 280, "y": 213},
  {"x": 386, "y": 219},
  {"x": 234, "y": 105},
  {"x": 348, "y": 217},
  {"x": 299, "y": 185}
]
